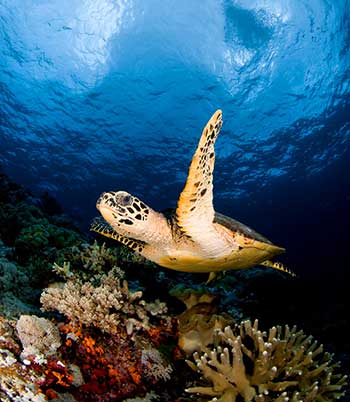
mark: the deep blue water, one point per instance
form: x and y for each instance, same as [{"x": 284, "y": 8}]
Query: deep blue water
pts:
[{"x": 102, "y": 95}]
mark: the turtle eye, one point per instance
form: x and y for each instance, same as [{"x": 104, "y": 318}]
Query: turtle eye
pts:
[{"x": 125, "y": 201}]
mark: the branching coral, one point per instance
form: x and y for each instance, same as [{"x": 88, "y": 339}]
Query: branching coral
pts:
[
  {"x": 283, "y": 365},
  {"x": 86, "y": 261},
  {"x": 154, "y": 365},
  {"x": 95, "y": 257},
  {"x": 107, "y": 305}
]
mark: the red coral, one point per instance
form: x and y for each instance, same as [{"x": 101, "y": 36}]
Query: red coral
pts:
[
  {"x": 166, "y": 331},
  {"x": 51, "y": 394},
  {"x": 56, "y": 375},
  {"x": 110, "y": 364}
]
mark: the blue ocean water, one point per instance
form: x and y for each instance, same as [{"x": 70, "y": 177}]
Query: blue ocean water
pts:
[
  {"x": 99, "y": 95},
  {"x": 113, "y": 94}
]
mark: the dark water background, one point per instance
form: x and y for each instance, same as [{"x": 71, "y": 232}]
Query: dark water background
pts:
[{"x": 102, "y": 95}]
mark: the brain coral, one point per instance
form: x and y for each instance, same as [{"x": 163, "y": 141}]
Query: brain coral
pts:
[{"x": 282, "y": 365}]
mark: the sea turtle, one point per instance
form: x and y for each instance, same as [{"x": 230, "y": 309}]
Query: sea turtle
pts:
[{"x": 193, "y": 237}]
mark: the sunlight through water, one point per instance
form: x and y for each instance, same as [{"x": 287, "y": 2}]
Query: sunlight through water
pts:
[{"x": 114, "y": 94}]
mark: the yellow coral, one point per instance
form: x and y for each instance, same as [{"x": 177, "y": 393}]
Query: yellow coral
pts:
[
  {"x": 199, "y": 321},
  {"x": 251, "y": 365},
  {"x": 197, "y": 326}
]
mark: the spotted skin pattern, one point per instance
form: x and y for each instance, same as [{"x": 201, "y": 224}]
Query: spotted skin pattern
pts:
[
  {"x": 100, "y": 226},
  {"x": 129, "y": 208},
  {"x": 130, "y": 221},
  {"x": 196, "y": 200}
]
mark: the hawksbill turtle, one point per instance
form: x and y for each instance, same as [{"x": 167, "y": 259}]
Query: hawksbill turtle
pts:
[{"x": 193, "y": 237}]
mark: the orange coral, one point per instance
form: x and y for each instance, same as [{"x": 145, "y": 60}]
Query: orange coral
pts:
[
  {"x": 135, "y": 375},
  {"x": 155, "y": 334},
  {"x": 110, "y": 364},
  {"x": 63, "y": 379},
  {"x": 89, "y": 344}
]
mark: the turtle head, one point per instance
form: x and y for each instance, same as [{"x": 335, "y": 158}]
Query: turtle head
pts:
[{"x": 125, "y": 213}]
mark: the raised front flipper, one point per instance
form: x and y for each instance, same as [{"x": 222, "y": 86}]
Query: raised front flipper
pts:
[
  {"x": 195, "y": 211},
  {"x": 100, "y": 226}
]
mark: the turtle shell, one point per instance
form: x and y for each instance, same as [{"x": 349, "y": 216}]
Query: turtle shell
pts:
[
  {"x": 227, "y": 222},
  {"x": 236, "y": 226}
]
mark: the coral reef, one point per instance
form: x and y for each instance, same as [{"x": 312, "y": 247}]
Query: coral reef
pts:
[
  {"x": 43, "y": 234},
  {"x": 33, "y": 235},
  {"x": 192, "y": 296},
  {"x": 282, "y": 365},
  {"x": 42, "y": 361},
  {"x": 17, "y": 381},
  {"x": 15, "y": 292},
  {"x": 113, "y": 335},
  {"x": 95, "y": 258},
  {"x": 199, "y": 322},
  {"x": 114, "y": 341},
  {"x": 87, "y": 261},
  {"x": 107, "y": 305},
  {"x": 38, "y": 336},
  {"x": 149, "y": 397},
  {"x": 154, "y": 365}
]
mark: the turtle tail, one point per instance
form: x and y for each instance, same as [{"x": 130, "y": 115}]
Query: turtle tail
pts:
[{"x": 278, "y": 266}]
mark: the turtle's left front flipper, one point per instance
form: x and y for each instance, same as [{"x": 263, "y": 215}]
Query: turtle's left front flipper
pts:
[{"x": 195, "y": 212}]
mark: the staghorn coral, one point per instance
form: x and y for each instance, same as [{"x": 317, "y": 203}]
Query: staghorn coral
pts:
[
  {"x": 63, "y": 271},
  {"x": 282, "y": 365},
  {"x": 95, "y": 257},
  {"x": 106, "y": 305},
  {"x": 86, "y": 261}
]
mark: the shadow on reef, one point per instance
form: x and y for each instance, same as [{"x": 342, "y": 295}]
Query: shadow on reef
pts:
[{"x": 83, "y": 321}]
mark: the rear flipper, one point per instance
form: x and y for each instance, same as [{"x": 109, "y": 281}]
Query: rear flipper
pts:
[
  {"x": 212, "y": 277},
  {"x": 215, "y": 277},
  {"x": 278, "y": 266}
]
